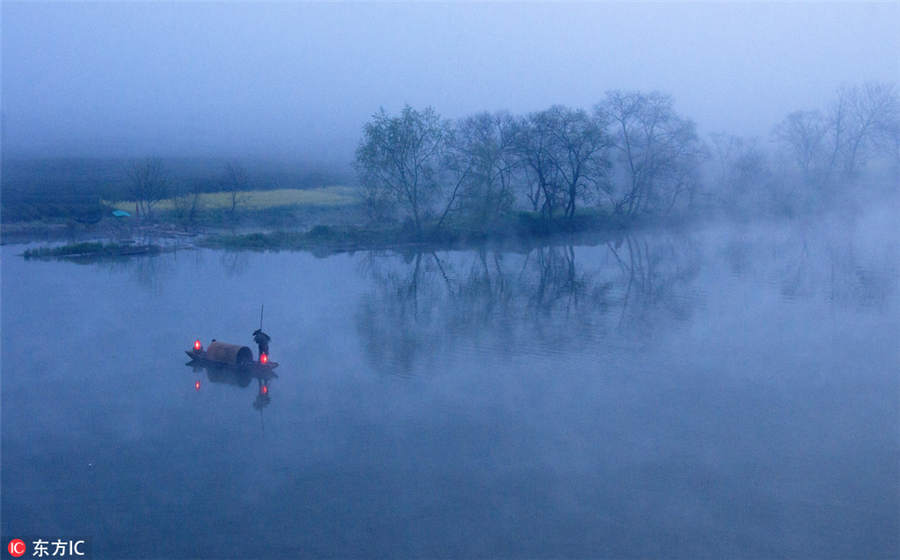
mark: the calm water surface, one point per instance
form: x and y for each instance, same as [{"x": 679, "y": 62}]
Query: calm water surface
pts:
[{"x": 725, "y": 392}]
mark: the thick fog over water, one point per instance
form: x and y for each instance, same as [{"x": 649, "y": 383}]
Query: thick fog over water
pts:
[
  {"x": 648, "y": 306},
  {"x": 725, "y": 392},
  {"x": 299, "y": 80}
]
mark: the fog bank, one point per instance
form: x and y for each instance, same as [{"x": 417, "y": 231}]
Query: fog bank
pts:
[{"x": 299, "y": 80}]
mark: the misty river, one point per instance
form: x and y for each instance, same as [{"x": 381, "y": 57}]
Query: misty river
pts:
[{"x": 726, "y": 391}]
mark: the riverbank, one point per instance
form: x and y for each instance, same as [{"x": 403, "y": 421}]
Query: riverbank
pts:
[
  {"x": 167, "y": 224},
  {"x": 92, "y": 250},
  {"x": 269, "y": 210},
  {"x": 522, "y": 229}
]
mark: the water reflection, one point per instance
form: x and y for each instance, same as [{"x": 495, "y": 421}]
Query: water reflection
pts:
[
  {"x": 234, "y": 263},
  {"x": 824, "y": 260},
  {"x": 567, "y": 398},
  {"x": 147, "y": 271},
  {"x": 237, "y": 377},
  {"x": 657, "y": 276},
  {"x": 562, "y": 297},
  {"x": 558, "y": 296}
]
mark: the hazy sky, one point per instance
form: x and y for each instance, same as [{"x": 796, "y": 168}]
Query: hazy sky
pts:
[{"x": 299, "y": 80}]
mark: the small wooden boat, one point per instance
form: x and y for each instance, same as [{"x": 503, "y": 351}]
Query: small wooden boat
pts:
[{"x": 232, "y": 356}]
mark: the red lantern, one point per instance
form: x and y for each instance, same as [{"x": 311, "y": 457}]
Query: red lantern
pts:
[
  {"x": 265, "y": 390},
  {"x": 263, "y": 358},
  {"x": 197, "y": 345},
  {"x": 196, "y": 385}
]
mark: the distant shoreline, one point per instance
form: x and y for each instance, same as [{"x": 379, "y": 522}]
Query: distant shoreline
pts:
[{"x": 521, "y": 230}]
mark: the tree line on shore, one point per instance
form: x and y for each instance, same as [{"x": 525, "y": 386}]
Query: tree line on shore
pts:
[{"x": 631, "y": 156}]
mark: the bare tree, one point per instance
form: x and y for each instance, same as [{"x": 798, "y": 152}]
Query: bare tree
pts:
[
  {"x": 149, "y": 185},
  {"x": 535, "y": 145},
  {"x": 873, "y": 108},
  {"x": 187, "y": 201},
  {"x": 579, "y": 152},
  {"x": 659, "y": 151},
  {"x": 399, "y": 162},
  {"x": 235, "y": 180},
  {"x": 889, "y": 143},
  {"x": 725, "y": 148},
  {"x": 483, "y": 146},
  {"x": 803, "y": 133},
  {"x": 855, "y": 125},
  {"x": 837, "y": 131},
  {"x": 743, "y": 175}
]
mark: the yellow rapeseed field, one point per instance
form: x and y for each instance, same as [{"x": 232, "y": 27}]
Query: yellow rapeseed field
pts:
[{"x": 259, "y": 200}]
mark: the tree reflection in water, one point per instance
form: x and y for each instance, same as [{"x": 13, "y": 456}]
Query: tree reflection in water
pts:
[{"x": 545, "y": 299}]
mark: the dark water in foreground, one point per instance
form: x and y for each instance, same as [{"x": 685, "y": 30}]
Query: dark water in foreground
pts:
[{"x": 731, "y": 392}]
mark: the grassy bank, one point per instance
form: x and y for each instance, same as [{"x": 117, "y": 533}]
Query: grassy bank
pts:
[
  {"x": 327, "y": 238},
  {"x": 323, "y": 220},
  {"x": 91, "y": 249},
  {"x": 522, "y": 226}
]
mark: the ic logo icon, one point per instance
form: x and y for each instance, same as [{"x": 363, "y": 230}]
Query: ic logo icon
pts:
[{"x": 16, "y": 547}]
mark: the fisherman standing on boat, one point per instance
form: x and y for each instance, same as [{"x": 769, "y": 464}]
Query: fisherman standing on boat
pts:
[{"x": 262, "y": 340}]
